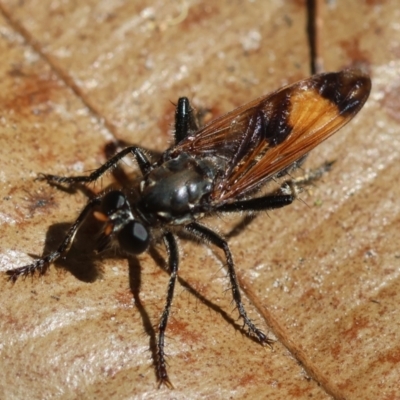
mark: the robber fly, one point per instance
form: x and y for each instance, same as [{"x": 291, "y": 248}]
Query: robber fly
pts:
[{"x": 214, "y": 169}]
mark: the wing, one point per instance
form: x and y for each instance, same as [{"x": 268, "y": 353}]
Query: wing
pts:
[{"x": 259, "y": 140}]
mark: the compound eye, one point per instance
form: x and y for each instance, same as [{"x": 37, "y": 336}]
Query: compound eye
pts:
[
  {"x": 134, "y": 237},
  {"x": 113, "y": 201}
]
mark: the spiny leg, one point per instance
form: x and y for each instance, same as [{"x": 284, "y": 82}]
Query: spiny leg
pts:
[
  {"x": 312, "y": 175},
  {"x": 264, "y": 203},
  {"x": 284, "y": 196},
  {"x": 143, "y": 162},
  {"x": 42, "y": 263},
  {"x": 173, "y": 265},
  {"x": 208, "y": 235},
  {"x": 185, "y": 121}
]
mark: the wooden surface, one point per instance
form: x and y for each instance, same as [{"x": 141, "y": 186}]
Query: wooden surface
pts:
[{"x": 322, "y": 276}]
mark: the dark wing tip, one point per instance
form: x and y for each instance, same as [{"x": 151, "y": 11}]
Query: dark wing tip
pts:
[{"x": 348, "y": 89}]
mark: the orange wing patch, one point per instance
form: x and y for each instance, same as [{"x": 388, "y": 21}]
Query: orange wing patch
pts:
[{"x": 318, "y": 108}]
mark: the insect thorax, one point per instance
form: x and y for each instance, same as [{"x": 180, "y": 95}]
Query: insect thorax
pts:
[{"x": 173, "y": 191}]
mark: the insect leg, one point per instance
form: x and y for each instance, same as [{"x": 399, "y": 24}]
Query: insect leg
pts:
[
  {"x": 143, "y": 162},
  {"x": 310, "y": 176},
  {"x": 185, "y": 121},
  {"x": 208, "y": 235},
  {"x": 173, "y": 264},
  {"x": 264, "y": 203},
  {"x": 43, "y": 263},
  {"x": 283, "y": 197}
]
